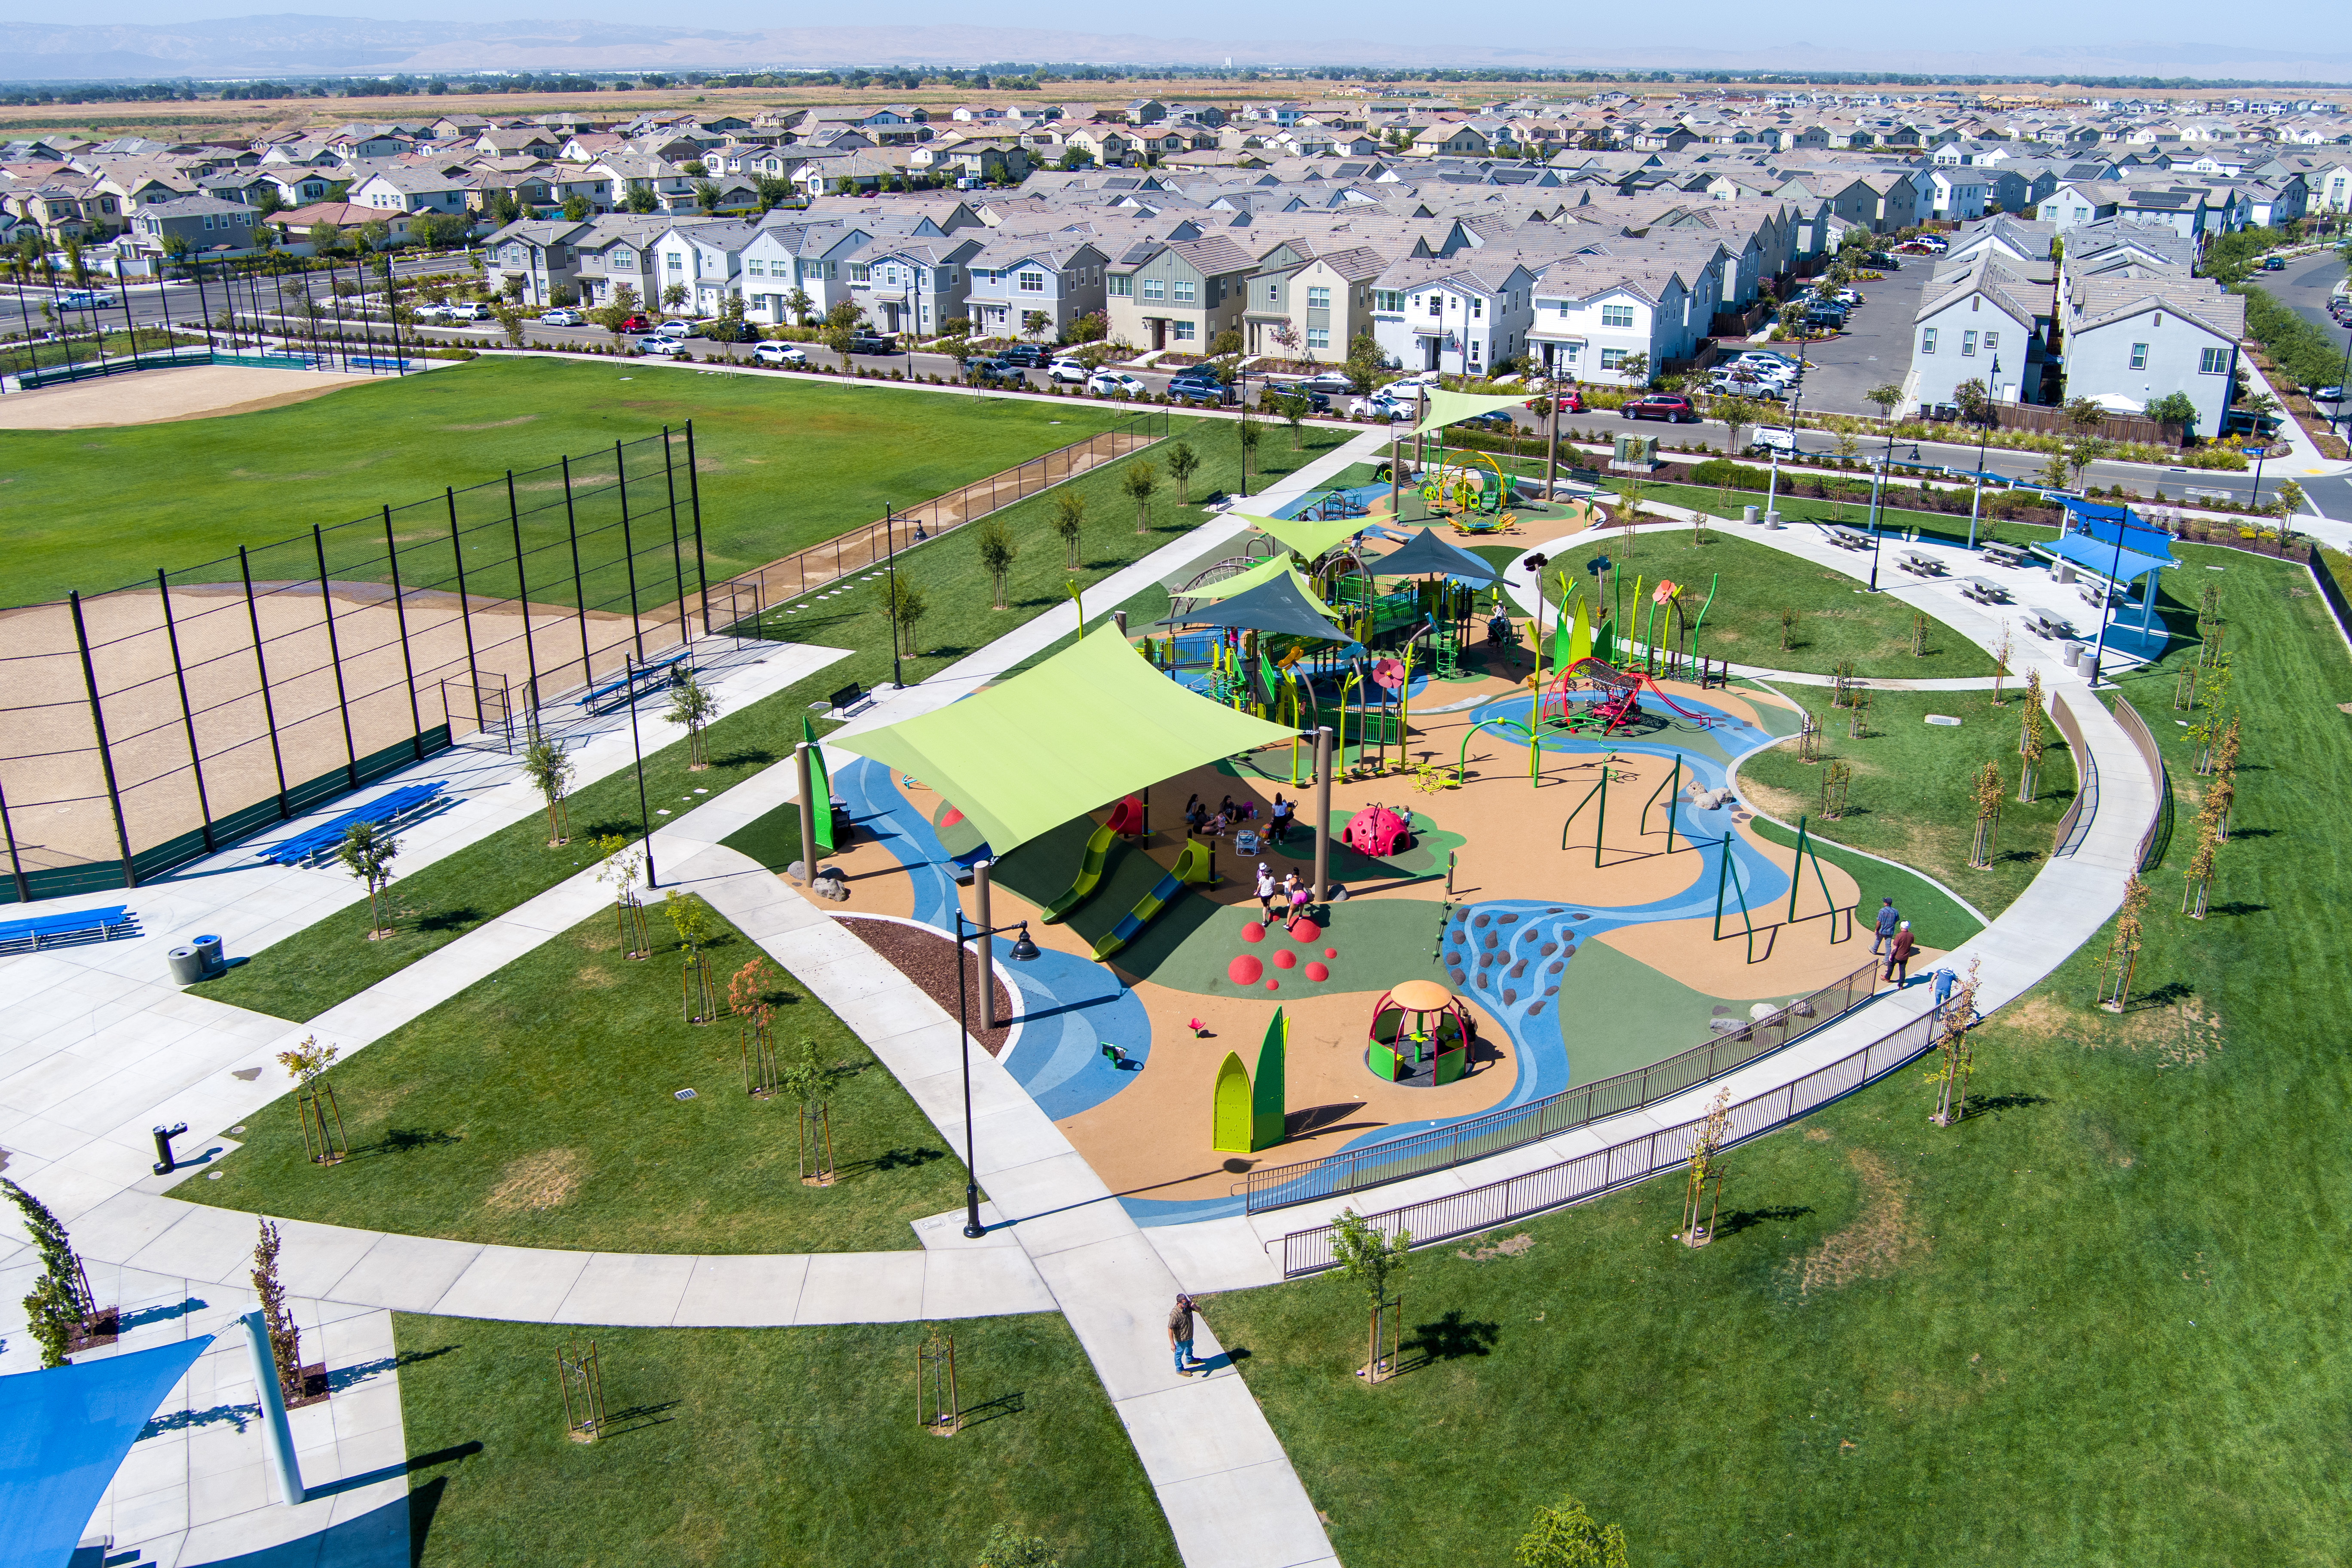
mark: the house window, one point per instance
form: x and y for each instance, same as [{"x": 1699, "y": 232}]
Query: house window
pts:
[
  {"x": 1273, "y": 293},
  {"x": 1615, "y": 315},
  {"x": 2213, "y": 362},
  {"x": 756, "y": 268},
  {"x": 2139, "y": 356},
  {"x": 1611, "y": 358},
  {"x": 1437, "y": 305},
  {"x": 861, "y": 272},
  {"x": 1318, "y": 298},
  {"x": 1319, "y": 337},
  {"x": 1122, "y": 287},
  {"x": 1033, "y": 283},
  {"x": 1183, "y": 291},
  {"x": 1992, "y": 342},
  {"x": 1926, "y": 340},
  {"x": 1968, "y": 345},
  {"x": 1153, "y": 289},
  {"x": 1182, "y": 331},
  {"x": 677, "y": 262},
  {"x": 1388, "y": 299},
  {"x": 1478, "y": 306}
]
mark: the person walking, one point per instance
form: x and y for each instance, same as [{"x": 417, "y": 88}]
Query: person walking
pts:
[
  {"x": 1888, "y": 920},
  {"x": 1898, "y": 955},
  {"x": 1179, "y": 1337},
  {"x": 1265, "y": 893}
]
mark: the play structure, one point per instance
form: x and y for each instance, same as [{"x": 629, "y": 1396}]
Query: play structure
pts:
[
  {"x": 1248, "y": 1113},
  {"x": 1612, "y": 699},
  {"x": 1191, "y": 867},
  {"x": 1099, "y": 844},
  {"x": 1377, "y": 831},
  {"x": 1420, "y": 1035}
]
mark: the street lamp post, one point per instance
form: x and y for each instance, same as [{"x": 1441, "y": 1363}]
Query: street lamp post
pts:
[
  {"x": 890, "y": 610},
  {"x": 1877, "y": 483},
  {"x": 629, "y": 669},
  {"x": 1023, "y": 949},
  {"x": 1984, "y": 435}
]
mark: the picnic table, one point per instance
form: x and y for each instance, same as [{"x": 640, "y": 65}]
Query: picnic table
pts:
[
  {"x": 2043, "y": 623},
  {"x": 1920, "y": 563},
  {"x": 313, "y": 842},
  {"x": 30, "y": 935},
  {"x": 2005, "y": 554},
  {"x": 1984, "y": 590},
  {"x": 1846, "y": 538}
]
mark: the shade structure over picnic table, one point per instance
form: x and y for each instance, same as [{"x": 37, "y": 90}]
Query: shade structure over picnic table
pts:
[
  {"x": 1426, "y": 556},
  {"x": 1091, "y": 724},
  {"x": 63, "y": 1433},
  {"x": 1284, "y": 603}
]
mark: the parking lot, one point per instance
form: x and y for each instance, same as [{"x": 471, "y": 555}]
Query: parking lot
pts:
[{"x": 1875, "y": 349}]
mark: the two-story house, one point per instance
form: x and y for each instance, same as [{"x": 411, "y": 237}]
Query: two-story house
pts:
[
  {"x": 1034, "y": 286},
  {"x": 1325, "y": 302},
  {"x": 1593, "y": 314},
  {"x": 1468, "y": 312},
  {"x": 1179, "y": 295},
  {"x": 2141, "y": 338},
  {"x": 1984, "y": 320}
]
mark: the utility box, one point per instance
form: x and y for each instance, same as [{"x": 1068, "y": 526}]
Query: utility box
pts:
[{"x": 1636, "y": 455}]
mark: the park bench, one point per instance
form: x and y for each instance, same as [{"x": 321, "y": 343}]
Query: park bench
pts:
[
  {"x": 631, "y": 684},
  {"x": 1919, "y": 565},
  {"x": 845, "y": 701},
  {"x": 1984, "y": 590},
  {"x": 382, "y": 811},
  {"x": 62, "y": 930}
]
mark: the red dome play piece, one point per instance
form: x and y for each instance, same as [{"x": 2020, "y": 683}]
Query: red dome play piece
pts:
[
  {"x": 1316, "y": 972},
  {"x": 1330, "y": 952},
  {"x": 1252, "y": 932},
  {"x": 1273, "y": 985},
  {"x": 1245, "y": 969},
  {"x": 1377, "y": 831},
  {"x": 1286, "y": 959},
  {"x": 1304, "y": 930},
  {"x": 951, "y": 819}
]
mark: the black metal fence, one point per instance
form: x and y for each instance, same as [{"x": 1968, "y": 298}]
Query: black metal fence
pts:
[
  {"x": 149, "y": 725},
  {"x": 1479, "y": 1136}
]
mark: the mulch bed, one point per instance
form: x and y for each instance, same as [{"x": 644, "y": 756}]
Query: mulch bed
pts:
[{"x": 928, "y": 959}]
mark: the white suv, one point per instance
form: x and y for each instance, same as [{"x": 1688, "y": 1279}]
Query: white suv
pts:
[
  {"x": 1068, "y": 372},
  {"x": 781, "y": 353},
  {"x": 468, "y": 311}
]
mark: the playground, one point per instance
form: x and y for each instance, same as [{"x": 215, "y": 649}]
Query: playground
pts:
[{"x": 1533, "y": 876}]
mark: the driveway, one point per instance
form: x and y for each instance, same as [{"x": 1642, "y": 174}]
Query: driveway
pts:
[{"x": 1876, "y": 348}]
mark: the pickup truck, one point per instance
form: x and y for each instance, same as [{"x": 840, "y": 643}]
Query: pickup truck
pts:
[{"x": 873, "y": 343}]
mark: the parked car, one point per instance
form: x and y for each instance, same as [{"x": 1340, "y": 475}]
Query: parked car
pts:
[
  {"x": 1317, "y": 402},
  {"x": 1568, "y": 401},
  {"x": 1492, "y": 419},
  {"x": 2328, "y": 394},
  {"x": 1380, "y": 405},
  {"x": 1670, "y": 407},
  {"x": 1067, "y": 372},
  {"x": 1113, "y": 384},
  {"x": 465, "y": 311},
  {"x": 720, "y": 330},
  {"x": 87, "y": 300},
  {"x": 1335, "y": 382},
  {"x": 873, "y": 343},
  {"x": 675, "y": 331},
  {"x": 984, "y": 367},
  {"x": 563, "y": 316},
  {"x": 1028, "y": 356},
  {"x": 661, "y": 345},
  {"x": 2273, "y": 263},
  {"x": 1197, "y": 389},
  {"x": 781, "y": 353},
  {"x": 638, "y": 324},
  {"x": 1764, "y": 359}
]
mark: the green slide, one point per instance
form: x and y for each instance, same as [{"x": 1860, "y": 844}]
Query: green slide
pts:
[
  {"x": 1090, "y": 870},
  {"x": 1192, "y": 866}
]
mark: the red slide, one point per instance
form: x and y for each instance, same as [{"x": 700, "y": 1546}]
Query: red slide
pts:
[{"x": 1703, "y": 721}]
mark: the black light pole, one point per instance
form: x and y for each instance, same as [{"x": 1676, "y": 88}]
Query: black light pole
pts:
[
  {"x": 890, "y": 610},
  {"x": 628, "y": 667},
  {"x": 1877, "y": 482},
  {"x": 1984, "y": 435},
  {"x": 1023, "y": 949}
]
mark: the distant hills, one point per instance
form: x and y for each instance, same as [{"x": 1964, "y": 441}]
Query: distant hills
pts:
[{"x": 330, "y": 46}]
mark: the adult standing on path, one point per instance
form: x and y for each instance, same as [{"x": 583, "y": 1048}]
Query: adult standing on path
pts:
[
  {"x": 1265, "y": 893},
  {"x": 1945, "y": 981},
  {"x": 1898, "y": 955},
  {"x": 1179, "y": 1337},
  {"x": 1888, "y": 920}
]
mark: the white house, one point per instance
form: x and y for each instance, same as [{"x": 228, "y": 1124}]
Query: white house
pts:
[
  {"x": 1988, "y": 311},
  {"x": 1960, "y": 195},
  {"x": 1465, "y": 313},
  {"x": 2141, "y": 338},
  {"x": 1592, "y": 315}
]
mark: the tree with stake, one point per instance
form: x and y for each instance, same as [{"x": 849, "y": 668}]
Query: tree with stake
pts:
[
  {"x": 1294, "y": 412},
  {"x": 997, "y": 553},
  {"x": 285, "y": 1343},
  {"x": 549, "y": 769},
  {"x": 1788, "y": 625},
  {"x": 809, "y": 1082},
  {"x": 690, "y": 919},
  {"x": 512, "y": 321},
  {"x": 1956, "y": 1060},
  {"x": 692, "y": 705},
  {"x": 2001, "y": 656},
  {"x": 1070, "y": 519},
  {"x": 2032, "y": 739},
  {"x": 1249, "y": 433},
  {"x": 2199, "y": 892},
  {"x": 2086, "y": 451},
  {"x": 623, "y": 863},
  {"x": 2123, "y": 949},
  {"x": 1886, "y": 397},
  {"x": 2054, "y": 471},
  {"x": 749, "y": 992},
  {"x": 1988, "y": 792},
  {"x": 1142, "y": 479},
  {"x": 1564, "y": 1535},
  {"x": 367, "y": 852},
  {"x": 2225, "y": 775},
  {"x": 1182, "y": 463},
  {"x": 905, "y": 604},
  {"x": 1707, "y": 1169},
  {"x": 61, "y": 1308},
  {"x": 1737, "y": 413},
  {"x": 615, "y": 311},
  {"x": 840, "y": 325},
  {"x": 1372, "y": 1263},
  {"x": 1629, "y": 515}
]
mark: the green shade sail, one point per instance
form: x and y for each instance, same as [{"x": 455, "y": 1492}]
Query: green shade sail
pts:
[
  {"x": 820, "y": 787},
  {"x": 1444, "y": 408},
  {"x": 1266, "y": 571},
  {"x": 1309, "y": 539},
  {"x": 1090, "y": 724}
]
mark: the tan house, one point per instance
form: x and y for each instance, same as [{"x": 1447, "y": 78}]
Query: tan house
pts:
[{"x": 1180, "y": 296}]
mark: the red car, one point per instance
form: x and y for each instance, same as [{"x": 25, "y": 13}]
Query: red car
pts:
[
  {"x": 1571, "y": 402},
  {"x": 1670, "y": 406},
  {"x": 636, "y": 324}
]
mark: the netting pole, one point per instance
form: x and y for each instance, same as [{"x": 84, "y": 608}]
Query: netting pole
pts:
[
  {"x": 408, "y": 662},
  {"x": 335, "y": 658},
  {"x": 694, "y": 498},
  {"x": 105, "y": 754},
  {"x": 579, "y": 587},
  {"x": 465, "y": 614},
  {"x": 15, "y": 862},
  {"x": 522, "y": 596},
  {"x": 628, "y": 550},
  {"x": 678, "y": 551},
  {"x": 187, "y": 711},
  {"x": 261, "y": 667}
]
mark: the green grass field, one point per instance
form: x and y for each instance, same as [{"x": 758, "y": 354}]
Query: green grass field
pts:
[
  {"x": 783, "y": 463},
  {"x": 2093, "y": 1323},
  {"x": 752, "y": 1448},
  {"x": 329, "y": 960},
  {"x": 535, "y": 1109}
]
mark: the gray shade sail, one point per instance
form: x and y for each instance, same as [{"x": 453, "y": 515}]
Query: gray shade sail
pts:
[{"x": 1426, "y": 556}]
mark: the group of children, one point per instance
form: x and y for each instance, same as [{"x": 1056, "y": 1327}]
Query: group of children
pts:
[
  {"x": 1290, "y": 895},
  {"x": 1231, "y": 813}
]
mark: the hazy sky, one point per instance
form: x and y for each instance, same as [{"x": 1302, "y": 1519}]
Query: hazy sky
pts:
[{"x": 2289, "y": 26}]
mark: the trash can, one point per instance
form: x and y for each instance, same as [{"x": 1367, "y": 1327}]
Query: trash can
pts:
[
  {"x": 2073, "y": 656},
  {"x": 1747, "y": 514},
  {"x": 2063, "y": 570},
  {"x": 187, "y": 965},
  {"x": 208, "y": 948}
]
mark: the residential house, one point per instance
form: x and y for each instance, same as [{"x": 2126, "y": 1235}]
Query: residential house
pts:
[
  {"x": 2140, "y": 339},
  {"x": 916, "y": 286},
  {"x": 1962, "y": 193},
  {"x": 1179, "y": 295},
  {"x": 1324, "y": 302},
  {"x": 1469, "y": 312},
  {"x": 413, "y": 190},
  {"x": 1034, "y": 286},
  {"x": 200, "y": 223},
  {"x": 1985, "y": 319},
  {"x": 1593, "y": 314}
]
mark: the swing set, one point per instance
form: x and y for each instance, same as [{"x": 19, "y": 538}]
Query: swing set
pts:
[{"x": 1727, "y": 882}]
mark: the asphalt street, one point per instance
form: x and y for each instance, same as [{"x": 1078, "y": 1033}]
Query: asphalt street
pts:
[{"x": 1874, "y": 349}]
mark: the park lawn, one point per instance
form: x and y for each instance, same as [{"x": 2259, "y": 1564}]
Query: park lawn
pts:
[
  {"x": 1837, "y": 621},
  {"x": 1912, "y": 797},
  {"x": 783, "y": 463},
  {"x": 329, "y": 961},
  {"x": 535, "y": 1109},
  {"x": 2093, "y": 1323},
  {"x": 747, "y": 1447}
]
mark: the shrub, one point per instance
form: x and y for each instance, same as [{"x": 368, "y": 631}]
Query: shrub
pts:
[{"x": 1718, "y": 472}]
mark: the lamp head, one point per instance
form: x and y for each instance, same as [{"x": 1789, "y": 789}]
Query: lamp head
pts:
[{"x": 1023, "y": 949}]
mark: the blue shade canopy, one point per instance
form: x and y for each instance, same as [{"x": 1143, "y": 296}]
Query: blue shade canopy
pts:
[
  {"x": 2100, "y": 556},
  {"x": 2107, "y": 524},
  {"x": 63, "y": 1433}
]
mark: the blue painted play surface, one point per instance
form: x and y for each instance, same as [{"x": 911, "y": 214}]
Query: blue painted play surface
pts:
[{"x": 1510, "y": 956}]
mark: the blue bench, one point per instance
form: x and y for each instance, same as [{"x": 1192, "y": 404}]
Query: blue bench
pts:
[
  {"x": 312, "y": 842},
  {"x": 75, "y": 926},
  {"x": 632, "y": 683}
]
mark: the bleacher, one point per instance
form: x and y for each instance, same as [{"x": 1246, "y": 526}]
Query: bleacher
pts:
[
  {"x": 313, "y": 842},
  {"x": 65, "y": 930},
  {"x": 631, "y": 684}
]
